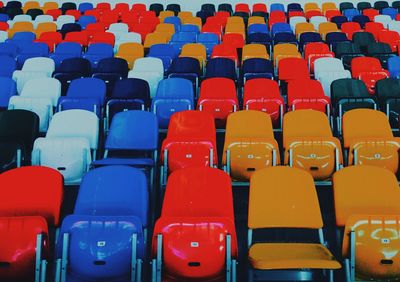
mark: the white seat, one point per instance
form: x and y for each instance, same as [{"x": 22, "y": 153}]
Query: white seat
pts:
[
  {"x": 383, "y": 19},
  {"x": 75, "y": 123},
  {"x": 327, "y": 78},
  {"x": 61, "y": 20},
  {"x": 130, "y": 37},
  {"x": 395, "y": 26},
  {"x": 33, "y": 68},
  {"x": 42, "y": 19},
  {"x": 19, "y": 18},
  {"x": 316, "y": 20},
  {"x": 323, "y": 65},
  {"x": 46, "y": 87},
  {"x": 295, "y": 20},
  {"x": 149, "y": 69},
  {"x": 69, "y": 155},
  {"x": 41, "y": 106},
  {"x": 3, "y": 36},
  {"x": 118, "y": 29}
]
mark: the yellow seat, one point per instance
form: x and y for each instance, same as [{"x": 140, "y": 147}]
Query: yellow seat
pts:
[
  {"x": 285, "y": 50},
  {"x": 20, "y": 26},
  {"x": 30, "y": 5},
  {"x": 167, "y": 29},
  {"x": 130, "y": 52},
  {"x": 311, "y": 6},
  {"x": 369, "y": 139},
  {"x": 327, "y": 6},
  {"x": 185, "y": 15},
  {"x": 45, "y": 27},
  {"x": 285, "y": 197},
  {"x": 271, "y": 256},
  {"x": 194, "y": 21},
  {"x": 309, "y": 143},
  {"x": 326, "y": 27},
  {"x": 235, "y": 20},
  {"x": 165, "y": 14},
  {"x": 304, "y": 27},
  {"x": 251, "y": 147},
  {"x": 235, "y": 28},
  {"x": 49, "y": 6},
  {"x": 195, "y": 50},
  {"x": 255, "y": 20},
  {"x": 155, "y": 38},
  {"x": 254, "y": 51}
]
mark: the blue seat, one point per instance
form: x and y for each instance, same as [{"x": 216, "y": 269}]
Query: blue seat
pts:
[
  {"x": 128, "y": 94},
  {"x": 339, "y": 20},
  {"x": 188, "y": 68},
  {"x": 165, "y": 52},
  {"x": 13, "y": 4},
  {"x": 181, "y": 38},
  {"x": 285, "y": 38},
  {"x": 110, "y": 70},
  {"x": 333, "y": 38},
  {"x": 394, "y": 66},
  {"x": 280, "y": 28},
  {"x": 261, "y": 38},
  {"x": 392, "y": 12},
  {"x": 132, "y": 140},
  {"x": 351, "y": 13},
  {"x": 257, "y": 68},
  {"x": 209, "y": 40},
  {"x": 190, "y": 28},
  {"x": 8, "y": 88},
  {"x": 257, "y": 28},
  {"x": 100, "y": 248},
  {"x": 97, "y": 52},
  {"x": 85, "y": 6},
  {"x": 22, "y": 38},
  {"x": 85, "y": 20},
  {"x": 84, "y": 93},
  {"x": 32, "y": 50},
  {"x": 361, "y": 19},
  {"x": 71, "y": 69},
  {"x": 204, "y": 15},
  {"x": 277, "y": 7},
  {"x": 4, "y": 18},
  {"x": 8, "y": 65},
  {"x": 175, "y": 21},
  {"x": 69, "y": 27},
  {"x": 173, "y": 95},
  {"x": 221, "y": 67},
  {"x": 66, "y": 50},
  {"x": 8, "y": 49},
  {"x": 294, "y": 7}
]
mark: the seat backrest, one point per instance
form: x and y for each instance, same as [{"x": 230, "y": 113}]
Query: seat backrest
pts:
[
  {"x": 133, "y": 130},
  {"x": 45, "y": 87},
  {"x": 348, "y": 88},
  {"x": 365, "y": 124},
  {"x": 149, "y": 64},
  {"x": 114, "y": 190},
  {"x": 132, "y": 88},
  {"x": 364, "y": 190},
  {"x": 76, "y": 65},
  {"x": 327, "y": 65},
  {"x": 209, "y": 196},
  {"x": 258, "y": 125},
  {"x": 43, "y": 187},
  {"x": 75, "y": 123},
  {"x": 175, "y": 88},
  {"x": 87, "y": 87},
  {"x": 283, "y": 197},
  {"x": 39, "y": 64},
  {"x": 361, "y": 65},
  {"x": 218, "y": 88}
]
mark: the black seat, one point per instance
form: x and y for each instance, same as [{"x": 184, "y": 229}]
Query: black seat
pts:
[
  {"x": 388, "y": 94},
  {"x": 381, "y": 51},
  {"x": 363, "y": 39},
  {"x": 346, "y": 51},
  {"x": 71, "y": 69},
  {"x": 176, "y": 8},
  {"x": 157, "y": 8}
]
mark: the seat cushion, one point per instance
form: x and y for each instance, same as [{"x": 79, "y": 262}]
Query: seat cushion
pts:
[{"x": 272, "y": 256}]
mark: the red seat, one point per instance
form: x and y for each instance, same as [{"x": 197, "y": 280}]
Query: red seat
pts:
[
  {"x": 316, "y": 50},
  {"x": 94, "y": 13},
  {"x": 55, "y": 13},
  {"x": 223, "y": 15},
  {"x": 218, "y": 97},
  {"x": 390, "y": 37},
  {"x": 263, "y": 94},
  {"x": 103, "y": 6},
  {"x": 194, "y": 228},
  {"x": 225, "y": 51},
  {"x": 294, "y": 13},
  {"x": 190, "y": 139},
  {"x": 234, "y": 39},
  {"x": 370, "y": 13},
  {"x": 276, "y": 17},
  {"x": 212, "y": 28},
  {"x": 332, "y": 13},
  {"x": 242, "y": 7},
  {"x": 51, "y": 38},
  {"x": 77, "y": 14},
  {"x": 350, "y": 28},
  {"x": 32, "y": 190},
  {"x": 18, "y": 246},
  {"x": 4, "y": 26},
  {"x": 109, "y": 17},
  {"x": 369, "y": 70},
  {"x": 139, "y": 8},
  {"x": 142, "y": 29},
  {"x": 307, "y": 94},
  {"x": 130, "y": 18},
  {"x": 80, "y": 37},
  {"x": 292, "y": 68},
  {"x": 93, "y": 28},
  {"x": 149, "y": 20},
  {"x": 374, "y": 28},
  {"x": 121, "y": 8},
  {"x": 260, "y": 7},
  {"x": 103, "y": 37},
  {"x": 313, "y": 13}
]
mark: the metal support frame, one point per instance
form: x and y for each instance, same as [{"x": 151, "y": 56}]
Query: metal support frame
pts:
[
  {"x": 19, "y": 157},
  {"x": 136, "y": 264},
  {"x": 40, "y": 265}
]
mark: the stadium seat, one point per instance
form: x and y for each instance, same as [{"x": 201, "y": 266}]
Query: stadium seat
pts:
[
  {"x": 110, "y": 70},
  {"x": 52, "y": 39},
  {"x": 8, "y": 66},
  {"x": 98, "y": 51},
  {"x": 173, "y": 95},
  {"x": 288, "y": 208},
  {"x": 292, "y": 68},
  {"x": 314, "y": 51},
  {"x": 251, "y": 148},
  {"x": 32, "y": 50},
  {"x": 369, "y": 139},
  {"x": 346, "y": 52},
  {"x": 66, "y": 50},
  {"x": 68, "y": 148},
  {"x": 196, "y": 235},
  {"x": 285, "y": 50},
  {"x": 187, "y": 68},
  {"x": 387, "y": 92},
  {"x": 130, "y": 51},
  {"x": 369, "y": 70},
  {"x": 164, "y": 52}
]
